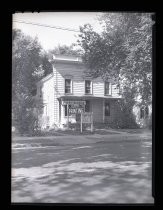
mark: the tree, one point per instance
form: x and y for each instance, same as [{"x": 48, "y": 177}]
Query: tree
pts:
[
  {"x": 46, "y": 65},
  {"x": 65, "y": 50},
  {"x": 122, "y": 51},
  {"x": 26, "y": 71}
]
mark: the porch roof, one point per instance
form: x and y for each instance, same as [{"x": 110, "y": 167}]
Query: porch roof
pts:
[{"x": 85, "y": 97}]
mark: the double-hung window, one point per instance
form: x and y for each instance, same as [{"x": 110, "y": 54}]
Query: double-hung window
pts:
[
  {"x": 88, "y": 88},
  {"x": 107, "y": 88},
  {"x": 68, "y": 84}
]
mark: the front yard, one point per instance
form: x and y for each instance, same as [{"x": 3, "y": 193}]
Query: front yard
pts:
[{"x": 80, "y": 169}]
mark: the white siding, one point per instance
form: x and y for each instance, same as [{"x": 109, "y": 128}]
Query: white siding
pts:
[
  {"x": 78, "y": 80},
  {"x": 58, "y": 91},
  {"x": 78, "y": 88},
  {"x": 48, "y": 99},
  {"x": 97, "y": 109},
  {"x": 98, "y": 88},
  {"x": 76, "y": 70},
  {"x": 115, "y": 90},
  {"x": 54, "y": 88}
]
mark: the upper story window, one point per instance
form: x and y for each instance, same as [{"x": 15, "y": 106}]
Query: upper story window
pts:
[
  {"x": 88, "y": 87},
  {"x": 68, "y": 84},
  {"x": 107, "y": 88}
]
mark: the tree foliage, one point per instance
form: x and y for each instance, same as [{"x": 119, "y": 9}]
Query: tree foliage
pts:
[
  {"x": 122, "y": 51},
  {"x": 29, "y": 65},
  {"x": 46, "y": 65},
  {"x": 65, "y": 50}
]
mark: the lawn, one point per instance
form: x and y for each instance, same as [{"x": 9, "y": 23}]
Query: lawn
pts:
[{"x": 94, "y": 173}]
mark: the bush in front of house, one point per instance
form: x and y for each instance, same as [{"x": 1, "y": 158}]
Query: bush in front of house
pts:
[
  {"x": 26, "y": 125},
  {"x": 125, "y": 117},
  {"x": 123, "y": 122}
]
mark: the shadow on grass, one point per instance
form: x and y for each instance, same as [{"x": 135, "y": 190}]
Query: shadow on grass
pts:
[{"x": 91, "y": 182}]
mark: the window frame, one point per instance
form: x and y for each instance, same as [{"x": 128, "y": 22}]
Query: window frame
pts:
[
  {"x": 110, "y": 88},
  {"x": 65, "y": 111},
  {"x": 67, "y": 93},
  {"x": 90, "y": 93}
]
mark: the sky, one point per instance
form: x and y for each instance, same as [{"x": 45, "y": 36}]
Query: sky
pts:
[{"x": 51, "y": 37}]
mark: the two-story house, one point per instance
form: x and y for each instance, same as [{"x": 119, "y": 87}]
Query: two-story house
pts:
[{"x": 68, "y": 82}]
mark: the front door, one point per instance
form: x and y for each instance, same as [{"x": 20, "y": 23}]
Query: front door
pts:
[
  {"x": 107, "y": 110},
  {"x": 87, "y": 106}
]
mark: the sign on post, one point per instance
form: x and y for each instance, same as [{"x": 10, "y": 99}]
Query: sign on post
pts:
[
  {"x": 87, "y": 117},
  {"x": 78, "y": 107},
  {"x": 74, "y": 103},
  {"x": 75, "y": 111},
  {"x": 74, "y": 107}
]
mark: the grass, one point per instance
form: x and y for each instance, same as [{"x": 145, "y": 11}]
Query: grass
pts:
[
  {"x": 85, "y": 132},
  {"x": 132, "y": 131}
]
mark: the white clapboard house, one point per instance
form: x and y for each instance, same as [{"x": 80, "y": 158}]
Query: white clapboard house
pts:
[{"x": 68, "y": 83}]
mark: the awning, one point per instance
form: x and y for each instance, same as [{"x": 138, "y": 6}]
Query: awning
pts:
[{"x": 86, "y": 97}]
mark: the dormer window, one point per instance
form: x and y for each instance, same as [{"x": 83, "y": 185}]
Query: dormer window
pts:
[
  {"x": 88, "y": 87},
  {"x": 68, "y": 86}
]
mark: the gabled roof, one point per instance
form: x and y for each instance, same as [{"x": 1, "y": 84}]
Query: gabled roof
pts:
[{"x": 46, "y": 78}]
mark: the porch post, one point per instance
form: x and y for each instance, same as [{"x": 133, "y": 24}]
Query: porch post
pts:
[
  {"x": 68, "y": 116},
  {"x": 81, "y": 128},
  {"x": 103, "y": 111},
  {"x": 92, "y": 122},
  {"x": 59, "y": 111}
]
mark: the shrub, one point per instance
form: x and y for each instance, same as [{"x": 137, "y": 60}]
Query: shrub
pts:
[{"x": 125, "y": 118}]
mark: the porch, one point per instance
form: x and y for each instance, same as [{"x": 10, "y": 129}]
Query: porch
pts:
[{"x": 104, "y": 109}]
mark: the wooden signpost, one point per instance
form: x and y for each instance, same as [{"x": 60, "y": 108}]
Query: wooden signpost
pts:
[
  {"x": 87, "y": 118},
  {"x": 74, "y": 107},
  {"x": 78, "y": 107}
]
